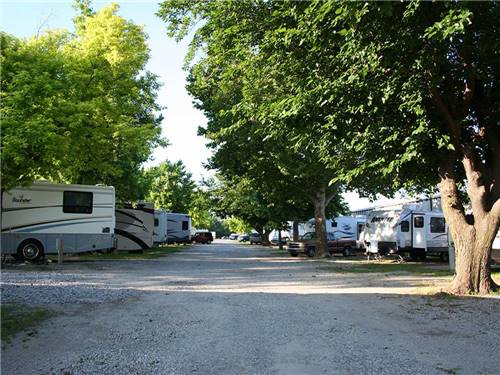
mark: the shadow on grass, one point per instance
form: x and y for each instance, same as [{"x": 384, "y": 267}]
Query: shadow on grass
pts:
[
  {"x": 388, "y": 267},
  {"x": 152, "y": 253}
]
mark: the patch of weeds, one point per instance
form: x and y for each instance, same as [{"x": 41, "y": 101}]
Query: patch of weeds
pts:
[
  {"x": 16, "y": 318},
  {"x": 152, "y": 253}
]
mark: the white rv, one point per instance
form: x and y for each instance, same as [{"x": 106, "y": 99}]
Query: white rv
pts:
[
  {"x": 178, "y": 228},
  {"x": 344, "y": 228},
  {"x": 160, "y": 227},
  {"x": 408, "y": 230},
  {"x": 134, "y": 227},
  {"x": 34, "y": 218}
]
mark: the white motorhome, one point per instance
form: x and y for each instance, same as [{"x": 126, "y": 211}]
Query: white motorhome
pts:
[
  {"x": 160, "y": 227},
  {"x": 406, "y": 231},
  {"x": 36, "y": 218},
  {"x": 134, "y": 227},
  {"x": 178, "y": 228}
]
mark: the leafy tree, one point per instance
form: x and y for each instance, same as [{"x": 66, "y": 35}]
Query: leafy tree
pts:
[
  {"x": 220, "y": 227},
  {"x": 416, "y": 85},
  {"x": 387, "y": 95},
  {"x": 201, "y": 209},
  {"x": 237, "y": 225},
  {"x": 406, "y": 97},
  {"x": 171, "y": 186},
  {"x": 230, "y": 87},
  {"x": 79, "y": 107}
]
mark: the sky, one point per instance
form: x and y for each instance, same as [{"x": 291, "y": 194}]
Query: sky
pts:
[{"x": 24, "y": 18}]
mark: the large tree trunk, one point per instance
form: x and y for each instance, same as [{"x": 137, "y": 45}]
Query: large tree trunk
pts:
[
  {"x": 320, "y": 222},
  {"x": 265, "y": 237},
  {"x": 473, "y": 237},
  {"x": 279, "y": 239},
  {"x": 295, "y": 230}
]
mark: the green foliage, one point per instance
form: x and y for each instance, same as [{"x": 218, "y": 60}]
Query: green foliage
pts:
[
  {"x": 252, "y": 120},
  {"x": 237, "y": 225},
  {"x": 201, "y": 210},
  {"x": 17, "y": 318},
  {"x": 171, "y": 187},
  {"x": 347, "y": 92},
  {"x": 219, "y": 227},
  {"x": 80, "y": 107}
]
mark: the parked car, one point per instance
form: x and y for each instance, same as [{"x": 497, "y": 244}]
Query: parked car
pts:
[
  {"x": 244, "y": 238},
  {"x": 255, "y": 238},
  {"x": 308, "y": 244},
  {"x": 202, "y": 237},
  {"x": 233, "y": 236}
]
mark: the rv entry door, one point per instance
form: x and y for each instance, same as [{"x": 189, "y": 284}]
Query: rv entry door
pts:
[{"x": 418, "y": 232}]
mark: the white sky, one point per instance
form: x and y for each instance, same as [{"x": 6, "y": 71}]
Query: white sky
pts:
[{"x": 181, "y": 121}]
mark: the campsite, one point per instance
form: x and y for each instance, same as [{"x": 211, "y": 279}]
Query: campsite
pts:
[{"x": 249, "y": 187}]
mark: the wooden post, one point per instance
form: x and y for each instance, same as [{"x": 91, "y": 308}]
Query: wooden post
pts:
[{"x": 60, "y": 250}]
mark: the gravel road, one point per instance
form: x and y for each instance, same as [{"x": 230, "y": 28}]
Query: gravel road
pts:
[{"x": 232, "y": 309}]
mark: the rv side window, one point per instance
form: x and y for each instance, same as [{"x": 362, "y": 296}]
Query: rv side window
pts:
[
  {"x": 438, "y": 225},
  {"x": 77, "y": 202},
  {"x": 185, "y": 225},
  {"x": 157, "y": 222},
  {"x": 418, "y": 221},
  {"x": 405, "y": 226},
  {"x": 334, "y": 224}
]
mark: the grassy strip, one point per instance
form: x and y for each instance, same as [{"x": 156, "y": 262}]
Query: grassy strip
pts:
[
  {"x": 152, "y": 253},
  {"x": 17, "y": 318},
  {"x": 391, "y": 268}
]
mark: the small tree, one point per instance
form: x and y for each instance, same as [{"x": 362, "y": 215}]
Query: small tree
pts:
[{"x": 171, "y": 187}]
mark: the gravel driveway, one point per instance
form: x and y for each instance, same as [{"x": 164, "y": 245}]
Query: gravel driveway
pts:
[{"x": 231, "y": 309}]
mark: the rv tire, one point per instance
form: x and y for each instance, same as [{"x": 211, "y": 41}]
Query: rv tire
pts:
[
  {"x": 445, "y": 257},
  {"x": 30, "y": 250},
  {"x": 311, "y": 252}
]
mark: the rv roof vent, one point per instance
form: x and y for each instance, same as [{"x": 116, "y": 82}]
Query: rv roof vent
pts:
[{"x": 101, "y": 185}]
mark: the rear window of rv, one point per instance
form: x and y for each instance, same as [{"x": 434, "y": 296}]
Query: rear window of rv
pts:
[
  {"x": 185, "y": 225},
  {"x": 77, "y": 202},
  {"x": 438, "y": 225}
]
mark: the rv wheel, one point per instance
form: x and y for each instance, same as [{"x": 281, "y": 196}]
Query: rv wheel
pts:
[
  {"x": 445, "y": 257},
  {"x": 311, "y": 252},
  {"x": 30, "y": 250},
  {"x": 347, "y": 252}
]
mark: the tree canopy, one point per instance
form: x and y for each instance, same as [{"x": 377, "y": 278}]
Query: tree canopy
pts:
[
  {"x": 79, "y": 107},
  {"x": 372, "y": 97}
]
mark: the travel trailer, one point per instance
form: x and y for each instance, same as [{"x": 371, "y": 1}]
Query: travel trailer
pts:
[
  {"x": 344, "y": 228},
  {"x": 160, "y": 227},
  {"x": 406, "y": 231},
  {"x": 36, "y": 218},
  {"x": 178, "y": 228},
  {"x": 134, "y": 227}
]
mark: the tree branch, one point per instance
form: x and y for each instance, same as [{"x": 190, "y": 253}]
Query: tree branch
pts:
[
  {"x": 451, "y": 125},
  {"x": 475, "y": 186},
  {"x": 495, "y": 210}
]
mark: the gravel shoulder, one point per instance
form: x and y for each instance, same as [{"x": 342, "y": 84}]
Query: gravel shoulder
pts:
[{"x": 232, "y": 309}]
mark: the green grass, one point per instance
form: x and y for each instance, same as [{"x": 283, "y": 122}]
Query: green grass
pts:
[
  {"x": 16, "y": 318},
  {"x": 391, "y": 268},
  {"x": 152, "y": 253}
]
